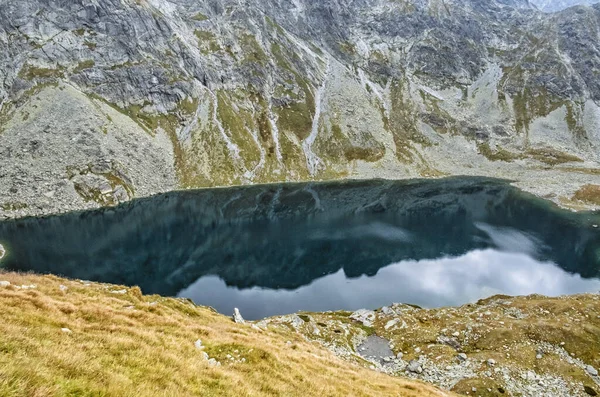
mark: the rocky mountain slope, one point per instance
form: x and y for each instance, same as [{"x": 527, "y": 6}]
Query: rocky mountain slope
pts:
[
  {"x": 104, "y": 101},
  {"x": 557, "y": 5}
]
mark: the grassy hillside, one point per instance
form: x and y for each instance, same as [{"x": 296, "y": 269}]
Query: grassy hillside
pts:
[{"x": 70, "y": 338}]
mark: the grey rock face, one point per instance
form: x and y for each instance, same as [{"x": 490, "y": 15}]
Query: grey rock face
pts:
[
  {"x": 557, "y": 5},
  {"x": 187, "y": 94}
]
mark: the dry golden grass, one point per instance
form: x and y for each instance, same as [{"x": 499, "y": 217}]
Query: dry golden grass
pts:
[
  {"x": 135, "y": 345},
  {"x": 588, "y": 194}
]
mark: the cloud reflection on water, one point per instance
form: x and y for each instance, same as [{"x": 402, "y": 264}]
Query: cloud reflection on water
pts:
[{"x": 428, "y": 283}]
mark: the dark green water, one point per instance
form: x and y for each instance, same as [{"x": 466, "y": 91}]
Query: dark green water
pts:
[{"x": 282, "y": 248}]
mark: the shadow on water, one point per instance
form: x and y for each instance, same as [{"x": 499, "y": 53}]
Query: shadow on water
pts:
[{"x": 287, "y": 236}]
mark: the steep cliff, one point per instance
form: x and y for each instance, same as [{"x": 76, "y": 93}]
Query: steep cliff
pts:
[{"x": 104, "y": 101}]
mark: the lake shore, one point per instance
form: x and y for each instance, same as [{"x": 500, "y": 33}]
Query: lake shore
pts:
[{"x": 501, "y": 346}]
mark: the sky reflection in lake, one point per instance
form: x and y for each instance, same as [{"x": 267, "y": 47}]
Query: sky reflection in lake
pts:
[{"x": 428, "y": 283}]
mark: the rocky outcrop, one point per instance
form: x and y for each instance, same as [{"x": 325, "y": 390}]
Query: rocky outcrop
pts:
[
  {"x": 501, "y": 346},
  {"x": 190, "y": 94}
]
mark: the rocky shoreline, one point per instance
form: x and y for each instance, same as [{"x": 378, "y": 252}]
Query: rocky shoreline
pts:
[
  {"x": 88, "y": 190},
  {"x": 501, "y": 346}
]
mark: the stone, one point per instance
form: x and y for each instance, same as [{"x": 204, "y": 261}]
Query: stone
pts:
[
  {"x": 295, "y": 321},
  {"x": 213, "y": 363},
  {"x": 452, "y": 342},
  {"x": 66, "y": 330},
  {"x": 414, "y": 366},
  {"x": 120, "y": 194},
  {"x": 590, "y": 391},
  {"x": 456, "y": 334},
  {"x": 4, "y": 284},
  {"x": 63, "y": 288},
  {"x": 364, "y": 316},
  {"x": 391, "y": 323},
  {"x": 591, "y": 370},
  {"x": 119, "y": 292},
  {"x": 237, "y": 316},
  {"x": 387, "y": 311},
  {"x": 462, "y": 357},
  {"x": 491, "y": 362},
  {"x": 400, "y": 355},
  {"x": 2, "y": 251},
  {"x": 198, "y": 344}
]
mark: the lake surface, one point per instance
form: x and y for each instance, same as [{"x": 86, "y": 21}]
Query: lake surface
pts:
[{"x": 279, "y": 249}]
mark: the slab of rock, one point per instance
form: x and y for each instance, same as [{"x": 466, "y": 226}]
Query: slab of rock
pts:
[
  {"x": 237, "y": 316},
  {"x": 375, "y": 348},
  {"x": 391, "y": 323},
  {"x": 364, "y": 316}
]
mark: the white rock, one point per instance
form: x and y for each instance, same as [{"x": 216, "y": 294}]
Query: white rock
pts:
[
  {"x": 414, "y": 366},
  {"x": 4, "y": 283},
  {"x": 237, "y": 316},
  {"x": 205, "y": 356},
  {"x": 66, "y": 330},
  {"x": 591, "y": 370},
  {"x": 391, "y": 323},
  {"x": 2, "y": 251},
  {"x": 119, "y": 292},
  {"x": 364, "y": 316},
  {"x": 387, "y": 311},
  {"x": 63, "y": 288},
  {"x": 456, "y": 334},
  {"x": 214, "y": 363},
  {"x": 198, "y": 344},
  {"x": 491, "y": 362},
  {"x": 462, "y": 357}
]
